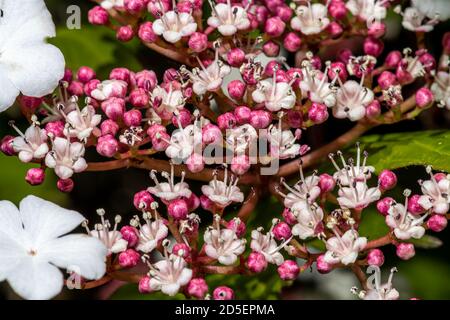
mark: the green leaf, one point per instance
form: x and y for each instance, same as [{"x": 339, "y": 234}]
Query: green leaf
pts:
[
  {"x": 427, "y": 242},
  {"x": 398, "y": 150}
]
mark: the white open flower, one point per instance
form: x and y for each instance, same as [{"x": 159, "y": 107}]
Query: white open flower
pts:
[
  {"x": 28, "y": 64},
  {"x": 432, "y": 7},
  {"x": 405, "y": 225},
  {"x": 310, "y": 222},
  {"x": 223, "y": 244},
  {"x": 173, "y": 26},
  {"x": 168, "y": 191},
  {"x": 110, "y": 88},
  {"x": 441, "y": 89},
  {"x": 32, "y": 144},
  {"x": 357, "y": 195},
  {"x": 311, "y": 19},
  {"x": 368, "y": 10},
  {"x": 208, "y": 78},
  {"x": 229, "y": 19},
  {"x": 417, "y": 21},
  {"x": 169, "y": 274},
  {"x": 167, "y": 101},
  {"x": 381, "y": 291},
  {"x": 225, "y": 192},
  {"x": 275, "y": 95},
  {"x": 350, "y": 170},
  {"x": 110, "y": 4},
  {"x": 239, "y": 139},
  {"x": 352, "y": 99},
  {"x": 436, "y": 195},
  {"x": 283, "y": 143},
  {"x": 66, "y": 158},
  {"x": 344, "y": 249},
  {"x": 150, "y": 235},
  {"x": 267, "y": 246},
  {"x": 81, "y": 123},
  {"x": 34, "y": 244},
  {"x": 315, "y": 86}
]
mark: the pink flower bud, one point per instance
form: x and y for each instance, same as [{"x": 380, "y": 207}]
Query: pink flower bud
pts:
[
  {"x": 211, "y": 134},
  {"x": 393, "y": 59},
  {"x": 7, "y": 146},
  {"x": 335, "y": 29},
  {"x": 35, "y": 176},
  {"x": 284, "y": 13},
  {"x": 107, "y": 146},
  {"x": 144, "y": 285},
  {"x": 159, "y": 141},
  {"x": 289, "y": 217},
  {"x": 109, "y": 127},
  {"x": 184, "y": 117},
  {"x": 197, "y": 288},
  {"x": 90, "y": 86},
  {"x": 288, "y": 270},
  {"x": 132, "y": 118},
  {"x": 155, "y": 129},
  {"x": 240, "y": 164},
  {"x": 171, "y": 76},
  {"x": 256, "y": 262},
  {"x": 377, "y": 29},
  {"x": 198, "y": 42},
  {"x": 282, "y": 231},
  {"x": 344, "y": 55},
  {"x": 242, "y": 114},
  {"x": 122, "y": 74},
  {"x": 125, "y": 33},
  {"x": 85, "y": 74},
  {"x": 292, "y": 42},
  {"x": 439, "y": 176},
  {"x": 322, "y": 266},
  {"x": 157, "y": 7},
  {"x": 139, "y": 98},
  {"x": 424, "y": 97},
  {"x": 387, "y": 180},
  {"x": 384, "y": 205},
  {"x": 131, "y": 235},
  {"x": 338, "y": 69},
  {"x": 143, "y": 200},
  {"x": 446, "y": 42},
  {"x": 184, "y": 6},
  {"x": 68, "y": 75},
  {"x": 129, "y": 258},
  {"x": 387, "y": 79},
  {"x": 223, "y": 293},
  {"x": 236, "y": 89},
  {"x": 146, "y": 80},
  {"x": 375, "y": 257},
  {"x": 318, "y": 113},
  {"x": 413, "y": 205},
  {"x": 226, "y": 121},
  {"x": 274, "y": 27},
  {"x": 295, "y": 118},
  {"x": 373, "y": 46},
  {"x": 260, "y": 119},
  {"x": 30, "y": 103},
  {"x": 373, "y": 110},
  {"x": 195, "y": 163},
  {"x": 181, "y": 250},
  {"x": 271, "y": 67},
  {"x": 206, "y": 203},
  {"x": 337, "y": 9},
  {"x": 146, "y": 33},
  {"x": 134, "y": 6},
  {"x": 271, "y": 49},
  {"x": 428, "y": 61},
  {"x": 437, "y": 223},
  {"x": 65, "y": 185},
  {"x": 405, "y": 251},
  {"x": 238, "y": 226},
  {"x": 326, "y": 183},
  {"x": 76, "y": 88},
  {"x": 316, "y": 62},
  {"x": 114, "y": 108},
  {"x": 98, "y": 16},
  {"x": 235, "y": 57},
  {"x": 178, "y": 209},
  {"x": 193, "y": 202}
]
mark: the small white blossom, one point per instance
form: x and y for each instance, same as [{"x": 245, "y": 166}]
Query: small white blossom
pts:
[
  {"x": 167, "y": 101},
  {"x": 344, "y": 249},
  {"x": 368, "y": 10},
  {"x": 432, "y": 7},
  {"x": 283, "y": 143},
  {"x": 32, "y": 144},
  {"x": 311, "y": 19},
  {"x": 223, "y": 245},
  {"x": 405, "y": 225},
  {"x": 229, "y": 19},
  {"x": 225, "y": 192},
  {"x": 28, "y": 64},
  {"x": 108, "y": 89},
  {"x": 81, "y": 123},
  {"x": 357, "y": 195},
  {"x": 310, "y": 222},
  {"x": 173, "y": 26},
  {"x": 352, "y": 99},
  {"x": 111, "y": 4},
  {"x": 34, "y": 244},
  {"x": 169, "y": 191},
  {"x": 417, "y": 21},
  {"x": 436, "y": 195},
  {"x": 239, "y": 139},
  {"x": 267, "y": 246},
  {"x": 315, "y": 85},
  {"x": 66, "y": 158},
  {"x": 275, "y": 95},
  {"x": 350, "y": 170},
  {"x": 150, "y": 234},
  {"x": 441, "y": 89},
  {"x": 381, "y": 291}
]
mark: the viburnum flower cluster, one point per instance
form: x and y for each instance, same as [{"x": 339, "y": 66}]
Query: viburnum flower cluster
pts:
[{"x": 202, "y": 122}]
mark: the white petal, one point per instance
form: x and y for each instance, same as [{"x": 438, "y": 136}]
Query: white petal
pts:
[
  {"x": 80, "y": 253},
  {"x": 44, "y": 220},
  {"x": 9, "y": 91}
]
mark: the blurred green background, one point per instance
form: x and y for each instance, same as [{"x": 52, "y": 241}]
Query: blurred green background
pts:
[{"x": 424, "y": 277}]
